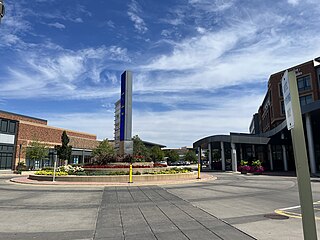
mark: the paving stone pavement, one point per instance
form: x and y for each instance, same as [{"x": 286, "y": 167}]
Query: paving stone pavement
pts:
[{"x": 150, "y": 212}]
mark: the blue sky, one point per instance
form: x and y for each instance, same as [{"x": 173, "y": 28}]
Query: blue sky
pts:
[{"x": 200, "y": 67}]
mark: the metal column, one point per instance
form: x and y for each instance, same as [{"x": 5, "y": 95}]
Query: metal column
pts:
[
  {"x": 312, "y": 158},
  {"x": 223, "y": 158}
]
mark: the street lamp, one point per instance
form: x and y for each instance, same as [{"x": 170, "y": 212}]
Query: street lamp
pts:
[
  {"x": 20, "y": 147},
  {"x": 55, "y": 157},
  {"x": 2, "y": 9}
]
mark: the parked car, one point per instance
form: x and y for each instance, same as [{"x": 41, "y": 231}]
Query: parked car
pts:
[{"x": 161, "y": 164}]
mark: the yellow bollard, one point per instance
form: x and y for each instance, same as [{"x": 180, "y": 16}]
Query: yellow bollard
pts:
[
  {"x": 198, "y": 171},
  {"x": 130, "y": 174}
]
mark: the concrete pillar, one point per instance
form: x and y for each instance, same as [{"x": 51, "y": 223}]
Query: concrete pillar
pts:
[
  {"x": 253, "y": 151},
  {"x": 234, "y": 157},
  {"x": 284, "y": 154},
  {"x": 270, "y": 157},
  {"x": 223, "y": 158},
  {"x": 241, "y": 152},
  {"x": 82, "y": 156},
  {"x": 312, "y": 158},
  {"x": 210, "y": 155}
]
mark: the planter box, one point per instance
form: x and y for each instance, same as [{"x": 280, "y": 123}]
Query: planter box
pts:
[{"x": 117, "y": 178}]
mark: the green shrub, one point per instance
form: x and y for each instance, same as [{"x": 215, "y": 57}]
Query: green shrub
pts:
[
  {"x": 50, "y": 172},
  {"x": 47, "y": 168}
]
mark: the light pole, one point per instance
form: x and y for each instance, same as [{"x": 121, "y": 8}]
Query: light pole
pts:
[
  {"x": 55, "y": 157},
  {"x": 20, "y": 147},
  {"x": 2, "y": 9}
]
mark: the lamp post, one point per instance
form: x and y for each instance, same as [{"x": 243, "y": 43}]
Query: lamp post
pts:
[
  {"x": 2, "y": 9},
  {"x": 55, "y": 157},
  {"x": 20, "y": 147}
]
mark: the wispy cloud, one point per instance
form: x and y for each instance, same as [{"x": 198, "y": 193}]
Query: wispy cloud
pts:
[
  {"x": 60, "y": 72},
  {"x": 133, "y": 12},
  {"x": 293, "y": 2},
  {"x": 57, "y": 25}
]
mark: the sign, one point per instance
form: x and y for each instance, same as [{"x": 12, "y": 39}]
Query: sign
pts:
[{"x": 287, "y": 100}]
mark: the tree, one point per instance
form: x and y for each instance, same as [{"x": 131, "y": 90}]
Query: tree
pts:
[
  {"x": 104, "y": 153},
  {"x": 156, "y": 154},
  {"x": 36, "y": 151},
  {"x": 64, "y": 151},
  {"x": 173, "y": 156},
  {"x": 140, "y": 151},
  {"x": 191, "y": 156}
]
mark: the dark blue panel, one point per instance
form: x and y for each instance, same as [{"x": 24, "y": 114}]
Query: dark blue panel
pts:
[{"x": 122, "y": 107}]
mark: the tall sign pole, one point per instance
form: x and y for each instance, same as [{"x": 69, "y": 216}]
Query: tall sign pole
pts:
[
  {"x": 126, "y": 145},
  {"x": 295, "y": 125}
]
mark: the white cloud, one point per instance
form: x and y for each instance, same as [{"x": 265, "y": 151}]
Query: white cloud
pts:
[
  {"x": 133, "y": 11},
  {"x": 57, "y": 25},
  {"x": 187, "y": 126},
  {"x": 293, "y": 2},
  {"x": 78, "y": 20},
  {"x": 54, "y": 71},
  {"x": 110, "y": 24}
]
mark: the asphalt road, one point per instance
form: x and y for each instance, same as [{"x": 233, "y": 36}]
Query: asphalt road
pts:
[
  {"x": 222, "y": 209},
  {"x": 248, "y": 202}
]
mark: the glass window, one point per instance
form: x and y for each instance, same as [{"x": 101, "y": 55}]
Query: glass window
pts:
[
  {"x": 304, "y": 83},
  {"x": 304, "y": 100},
  {"x": 4, "y": 126},
  {"x": 280, "y": 89},
  {"x": 12, "y": 127},
  {"x": 282, "y": 108}
]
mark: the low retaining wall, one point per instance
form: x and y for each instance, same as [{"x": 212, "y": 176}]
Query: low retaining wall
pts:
[{"x": 117, "y": 178}]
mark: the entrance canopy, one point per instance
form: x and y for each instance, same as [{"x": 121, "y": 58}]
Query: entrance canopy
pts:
[{"x": 232, "y": 138}]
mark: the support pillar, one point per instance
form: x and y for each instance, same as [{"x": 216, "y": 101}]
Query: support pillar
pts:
[
  {"x": 223, "y": 158},
  {"x": 241, "y": 152},
  {"x": 234, "y": 157},
  {"x": 210, "y": 155},
  {"x": 284, "y": 156},
  {"x": 253, "y": 151},
  {"x": 312, "y": 158},
  {"x": 270, "y": 157}
]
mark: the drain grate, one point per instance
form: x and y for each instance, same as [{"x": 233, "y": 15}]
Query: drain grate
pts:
[{"x": 276, "y": 216}]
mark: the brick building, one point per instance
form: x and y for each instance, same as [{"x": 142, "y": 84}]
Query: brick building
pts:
[
  {"x": 18, "y": 131},
  {"x": 269, "y": 140}
]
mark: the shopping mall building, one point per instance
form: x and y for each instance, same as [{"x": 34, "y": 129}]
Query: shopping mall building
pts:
[
  {"x": 269, "y": 140},
  {"x": 18, "y": 131}
]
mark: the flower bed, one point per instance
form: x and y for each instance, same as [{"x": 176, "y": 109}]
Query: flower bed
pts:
[{"x": 64, "y": 171}]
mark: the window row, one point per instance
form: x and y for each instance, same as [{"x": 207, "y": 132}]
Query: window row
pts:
[
  {"x": 6, "y": 160},
  {"x": 303, "y": 83},
  {"x": 5, "y": 148},
  {"x": 304, "y": 100},
  {"x": 7, "y": 126}
]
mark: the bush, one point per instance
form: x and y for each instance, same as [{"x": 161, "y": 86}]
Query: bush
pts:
[
  {"x": 47, "y": 168},
  {"x": 49, "y": 172},
  {"x": 70, "y": 169}
]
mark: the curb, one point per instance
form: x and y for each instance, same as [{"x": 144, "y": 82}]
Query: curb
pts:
[{"x": 26, "y": 181}]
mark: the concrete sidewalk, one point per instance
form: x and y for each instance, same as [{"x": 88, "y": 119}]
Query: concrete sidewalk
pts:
[{"x": 146, "y": 213}]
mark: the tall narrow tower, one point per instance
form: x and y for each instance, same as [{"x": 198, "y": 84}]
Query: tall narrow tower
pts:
[{"x": 123, "y": 116}]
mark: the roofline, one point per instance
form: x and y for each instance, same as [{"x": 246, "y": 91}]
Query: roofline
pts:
[
  {"x": 156, "y": 144},
  {"x": 21, "y": 115}
]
